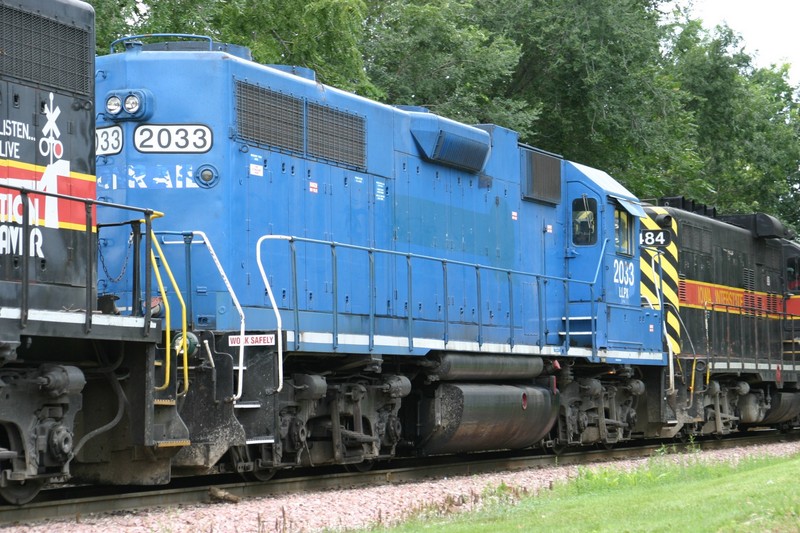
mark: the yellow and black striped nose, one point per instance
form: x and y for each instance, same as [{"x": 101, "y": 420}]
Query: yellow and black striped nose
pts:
[{"x": 660, "y": 275}]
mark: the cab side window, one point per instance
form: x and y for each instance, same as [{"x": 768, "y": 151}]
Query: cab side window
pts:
[
  {"x": 793, "y": 274},
  {"x": 622, "y": 232},
  {"x": 584, "y": 221}
]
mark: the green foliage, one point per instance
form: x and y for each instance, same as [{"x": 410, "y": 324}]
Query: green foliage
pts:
[
  {"x": 594, "y": 68},
  {"x": 176, "y": 16},
  {"x": 113, "y": 20},
  {"x": 433, "y": 54},
  {"x": 320, "y": 34},
  {"x": 746, "y": 120},
  {"x": 752, "y": 494}
]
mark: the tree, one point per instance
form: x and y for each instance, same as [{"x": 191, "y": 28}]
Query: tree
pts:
[
  {"x": 660, "y": 103},
  {"x": 746, "y": 120},
  {"x": 433, "y": 54},
  {"x": 323, "y": 35},
  {"x": 112, "y": 20},
  {"x": 594, "y": 68}
]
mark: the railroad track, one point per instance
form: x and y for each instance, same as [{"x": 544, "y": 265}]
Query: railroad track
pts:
[{"x": 79, "y": 502}]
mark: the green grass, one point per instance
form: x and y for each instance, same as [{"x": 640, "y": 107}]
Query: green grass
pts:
[{"x": 755, "y": 495}]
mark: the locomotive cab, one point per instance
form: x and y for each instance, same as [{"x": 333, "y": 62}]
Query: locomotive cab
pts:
[{"x": 603, "y": 264}]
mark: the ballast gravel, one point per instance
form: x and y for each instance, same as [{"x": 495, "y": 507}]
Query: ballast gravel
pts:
[{"x": 347, "y": 509}]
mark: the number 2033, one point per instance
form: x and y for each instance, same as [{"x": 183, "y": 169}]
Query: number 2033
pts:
[{"x": 173, "y": 138}]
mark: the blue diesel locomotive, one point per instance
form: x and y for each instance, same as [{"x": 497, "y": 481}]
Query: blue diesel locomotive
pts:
[
  {"x": 370, "y": 278},
  {"x": 359, "y": 280}
]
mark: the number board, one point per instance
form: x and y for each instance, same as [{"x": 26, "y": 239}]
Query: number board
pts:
[
  {"x": 655, "y": 237},
  {"x": 173, "y": 138},
  {"x": 108, "y": 141}
]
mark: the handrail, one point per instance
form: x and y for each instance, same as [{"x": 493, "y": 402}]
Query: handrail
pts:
[
  {"x": 278, "y": 323},
  {"x": 370, "y": 251},
  {"x": 592, "y": 285},
  {"x": 167, "y": 331},
  {"x": 90, "y": 228},
  {"x": 600, "y": 261},
  {"x": 657, "y": 255},
  {"x": 205, "y": 240},
  {"x": 751, "y": 312},
  {"x": 184, "y": 341}
]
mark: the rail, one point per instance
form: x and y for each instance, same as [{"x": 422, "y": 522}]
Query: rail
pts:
[
  {"x": 541, "y": 280},
  {"x": 188, "y": 239},
  {"x": 68, "y": 503},
  {"x": 591, "y": 292},
  {"x": 278, "y": 322},
  {"x": 168, "y": 314},
  {"x": 90, "y": 207}
]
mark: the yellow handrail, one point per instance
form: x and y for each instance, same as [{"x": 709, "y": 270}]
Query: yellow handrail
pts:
[
  {"x": 184, "y": 349},
  {"x": 168, "y": 361}
]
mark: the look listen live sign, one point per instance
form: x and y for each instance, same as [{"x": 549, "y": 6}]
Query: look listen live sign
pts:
[{"x": 252, "y": 340}]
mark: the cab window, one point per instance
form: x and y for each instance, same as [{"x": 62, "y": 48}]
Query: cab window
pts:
[
  {"x": 793, "y": 274},
  {"x": 584, "y": 221},
  {"x": 622, "y": 232}
]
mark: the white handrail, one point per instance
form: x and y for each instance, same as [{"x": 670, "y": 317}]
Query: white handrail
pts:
[
  {"x": 278, "y": 323},
  {"x": 238, "y": 308}
]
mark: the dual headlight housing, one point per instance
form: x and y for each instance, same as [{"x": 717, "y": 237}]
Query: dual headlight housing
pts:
[{"x": 128, "y": 105}]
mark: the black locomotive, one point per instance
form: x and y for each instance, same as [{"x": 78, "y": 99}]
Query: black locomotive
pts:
[
  {"x": 729, "y": 288},
  {"x": 68, "y": 373}
]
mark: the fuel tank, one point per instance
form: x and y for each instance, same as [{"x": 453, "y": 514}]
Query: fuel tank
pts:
[
  {"x": 472, "y": 417},
  {"x": 785, "y": 406}
]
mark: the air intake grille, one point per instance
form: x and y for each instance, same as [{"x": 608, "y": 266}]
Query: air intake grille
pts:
[
  {"x": 271, "y": 119},
  {"x": 266, "y": 117},
  {"x": 336, "y": 135},
  {"x": 46, "y": 52},
  {"x": 541, "y": 176}
]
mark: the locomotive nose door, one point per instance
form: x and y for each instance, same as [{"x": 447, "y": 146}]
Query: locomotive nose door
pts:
[{"x": 586, "y": 242}]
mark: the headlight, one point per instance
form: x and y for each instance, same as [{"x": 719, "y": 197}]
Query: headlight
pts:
[
  {"x": 113, "y": 105},
  {"x": 132, "y": 103},
  {"x": 129, "y": 104}
]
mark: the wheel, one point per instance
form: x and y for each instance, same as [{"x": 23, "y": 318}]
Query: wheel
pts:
[
  {"x": 558, "y": 448},
  {"x": 363, "y": 466},
  {"x": 244, "y": 454},
  {"x": 262, "y": 475},
  {"x": 21, "y": 492}
]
